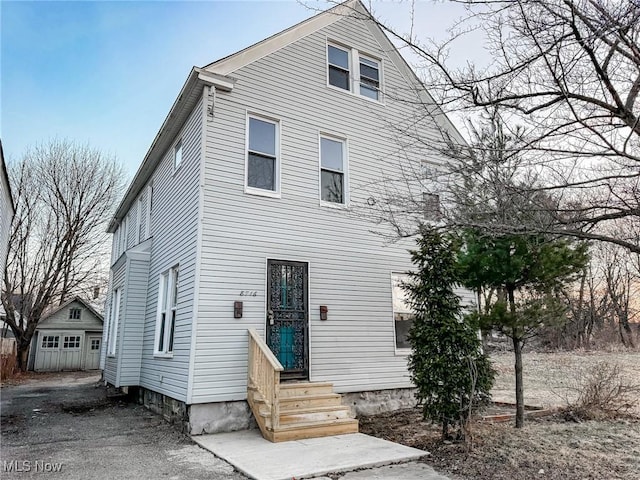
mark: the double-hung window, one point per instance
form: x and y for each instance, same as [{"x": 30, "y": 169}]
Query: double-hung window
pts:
[
  {"x": 338, "y": 60},
  {"x": 167, "y": 305},
  {"x": 402, "y": 314},
  {"x": 349, "y": 69},
  {"x": 114, "y": 316},
  {"x": 369, "y": 78},
  {"x": 147, "y": 221},
  {"x": 333, "y": 170},
  {"x": 263, "y": 169}
]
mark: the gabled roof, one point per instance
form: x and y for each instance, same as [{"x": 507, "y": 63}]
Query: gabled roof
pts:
[
  {"x": 216, "y": 74},
  {"x": 254, "y": 52},
  {"x": 69, "y": 302}
]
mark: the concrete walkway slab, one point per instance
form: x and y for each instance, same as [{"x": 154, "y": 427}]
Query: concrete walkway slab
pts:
[{"x": 260, "y": 459}]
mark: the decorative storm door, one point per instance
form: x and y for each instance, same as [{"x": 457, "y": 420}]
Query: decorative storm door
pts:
[{"x": 287, "y": 316}]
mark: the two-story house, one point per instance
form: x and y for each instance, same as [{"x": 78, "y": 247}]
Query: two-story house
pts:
[{"x": 247, "y": 214}]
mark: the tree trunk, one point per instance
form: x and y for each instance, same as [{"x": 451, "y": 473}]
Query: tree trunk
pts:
[
  {"x": 517, "y": 350},
  {"x": 22, "y": 355}
]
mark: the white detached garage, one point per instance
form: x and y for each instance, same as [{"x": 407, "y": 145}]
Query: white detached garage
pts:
[{"x": 68, "y": 338}]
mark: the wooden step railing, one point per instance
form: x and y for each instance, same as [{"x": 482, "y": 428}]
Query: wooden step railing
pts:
[{"x": 263, "y": 378}]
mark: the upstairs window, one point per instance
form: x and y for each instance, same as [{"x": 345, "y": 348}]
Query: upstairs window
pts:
[
  {"x": 262, "y": 156},
  {"x": 147, "y": 222},
  {"x": 332, "y": 170},
  {"x": 369, "y": 78},
  {"x": 338, "y": 60},
  {"x": 351, "y": 70},
  {"x": 74, "y": 313},
  {"x": 167, "y": 307},
  {"x": 177, "y": 155}
]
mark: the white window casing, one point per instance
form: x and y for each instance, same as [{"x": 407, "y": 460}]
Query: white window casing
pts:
[
  {"x": 334, "y": 177},
  {"x": 402, "y": 314},
  {"x": 167, "y": 311},
  {"x": 352, "y": 71},
  {"x": 114, "y": 317},
  {"x": 147, "y": 223},
  {"x": 262, "y": 162},
  {"x": 177, "y": 155}
]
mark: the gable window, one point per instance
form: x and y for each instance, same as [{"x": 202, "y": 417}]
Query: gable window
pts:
[
  {"x": 123, "y": 241},
  {"x": 369, "y": 77},
  {"x": 167, "y": 307},
  {"x": 351, "y": 70},
  {"x": 402, "y": 314},
  {"x": 74, "y": 313},
  {"x": 113, "y": 323},
  {"x": 263, "y": 168},
  {"x": 338, "y": 62},
  {"x": 332, "y": 170},
  {"x": 50, "y": 341},
  {"x": 177, "y": 155}
]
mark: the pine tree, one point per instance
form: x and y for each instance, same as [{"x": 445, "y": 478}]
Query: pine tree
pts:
[{"x": 447, "y": 366}]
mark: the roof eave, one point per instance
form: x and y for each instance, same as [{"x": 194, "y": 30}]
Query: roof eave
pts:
[{"x": 179, "y": 112}]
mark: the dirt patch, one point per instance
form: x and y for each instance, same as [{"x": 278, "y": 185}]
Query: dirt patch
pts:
[{"x": 556, "y": 447}]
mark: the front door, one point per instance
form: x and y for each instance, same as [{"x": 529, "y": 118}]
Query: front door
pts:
[{"x": 287, "y": 316}]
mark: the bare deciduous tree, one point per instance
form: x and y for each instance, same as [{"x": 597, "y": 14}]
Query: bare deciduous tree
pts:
[
  {"x": 64, "y": 194},
  {"x": 568, "y": 71}
]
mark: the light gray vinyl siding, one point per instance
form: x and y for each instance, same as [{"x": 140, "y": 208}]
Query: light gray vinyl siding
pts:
[
  {"x": 349, "y": 267},
  {"x": 132, "y": 324},
  {"x": 111, "y": 361},
  {"x": 174, "y": 220}
]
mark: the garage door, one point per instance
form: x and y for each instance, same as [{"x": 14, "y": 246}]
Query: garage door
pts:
[{"x": 59, "y": 351}]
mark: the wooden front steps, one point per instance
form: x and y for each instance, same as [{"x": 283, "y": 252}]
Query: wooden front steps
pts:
[
  {"x": 307, "y": 410},
  {"x": 296, "y": 410}
]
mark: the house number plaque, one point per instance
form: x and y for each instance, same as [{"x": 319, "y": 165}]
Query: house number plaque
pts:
[{"x": 248, "y": 293}]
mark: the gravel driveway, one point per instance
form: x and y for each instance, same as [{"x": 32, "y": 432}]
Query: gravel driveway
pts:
[{"x": 63, "y": 426}]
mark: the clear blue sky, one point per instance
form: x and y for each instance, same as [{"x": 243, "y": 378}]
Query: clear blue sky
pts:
[{"x": 107, "y": 73}]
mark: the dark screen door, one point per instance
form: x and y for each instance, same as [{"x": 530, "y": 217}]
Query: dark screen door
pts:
[{"x": 287, "y": 316}]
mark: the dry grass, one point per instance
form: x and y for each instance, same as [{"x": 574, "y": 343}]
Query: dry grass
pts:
[{"x": 555, "y": 448}]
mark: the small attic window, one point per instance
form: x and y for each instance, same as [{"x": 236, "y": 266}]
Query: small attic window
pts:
[
  {"x": 351, "y": 70},
  {"x": 177, "y": 155},
  {"x": 75, "y": 313}
]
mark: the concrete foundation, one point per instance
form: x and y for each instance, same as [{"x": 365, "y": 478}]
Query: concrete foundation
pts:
[
  {"x": 380, "y": 401},
  {"x": 220, "y": 417}
]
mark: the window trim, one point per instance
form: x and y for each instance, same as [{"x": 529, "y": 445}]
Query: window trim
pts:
[
  {"x": 114, "y": 318},
  {"x": 168, "y": 283},
  {"x": 400, "y": 351},
  {"x": 139, "y": 219},
  {"x": 75, "y": 309},
  {"x": 147, "y": 226},
  {"x": 178, "y": 147},
  {"x": 350, "y": 67},
  {"x": 354, "y": 71},
  {"x": 278, "y": 160},
  {"x": 345, "y": 170},
  {"x": 379, "y": 89}
]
